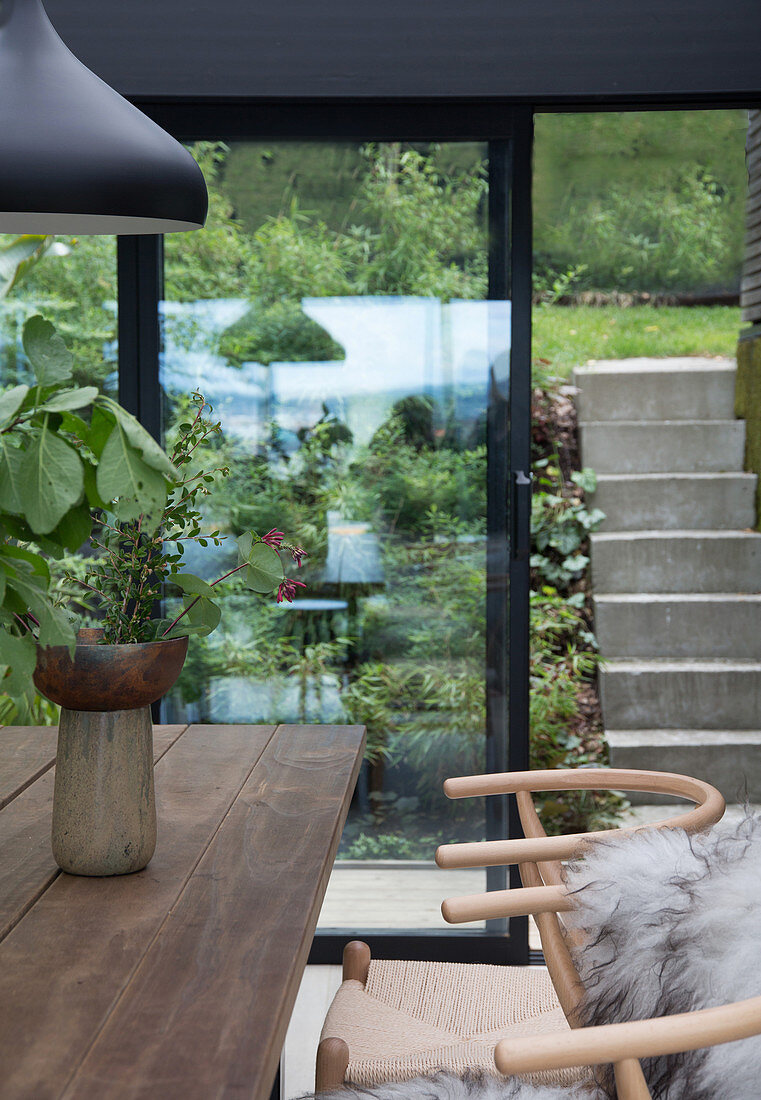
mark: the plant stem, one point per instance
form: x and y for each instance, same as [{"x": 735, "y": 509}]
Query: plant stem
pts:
[{"x": 172, "y": 625}]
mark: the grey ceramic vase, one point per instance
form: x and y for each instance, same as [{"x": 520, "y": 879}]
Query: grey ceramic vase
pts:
[{"x": 104, "y": 808}]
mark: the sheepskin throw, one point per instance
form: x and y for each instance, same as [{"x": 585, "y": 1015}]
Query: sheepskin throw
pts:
[
  {"x": 447, "y": 1086},
  {"x": 672, "y": 923}
]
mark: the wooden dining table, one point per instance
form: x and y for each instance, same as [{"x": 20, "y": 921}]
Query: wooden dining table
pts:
[{"x": 180, "y": 980}]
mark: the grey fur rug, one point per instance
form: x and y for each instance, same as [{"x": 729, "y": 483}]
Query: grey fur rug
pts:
[
  {"x": 674, "y": 924},
  {"x": 669, "y": 923},
  {"x": 446, "y": 1086}
]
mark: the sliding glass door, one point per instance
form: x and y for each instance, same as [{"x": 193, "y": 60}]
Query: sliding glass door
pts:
[{"x": 347, "y": 314}]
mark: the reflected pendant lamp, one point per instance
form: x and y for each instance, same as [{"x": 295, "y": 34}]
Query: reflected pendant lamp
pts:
[{"x": 75, "y": 157}]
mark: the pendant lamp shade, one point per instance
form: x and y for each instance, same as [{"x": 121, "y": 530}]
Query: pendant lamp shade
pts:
[{"x": 75, "y": 157}]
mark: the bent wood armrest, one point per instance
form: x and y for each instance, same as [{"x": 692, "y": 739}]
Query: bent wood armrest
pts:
[
  {"x": 589, "y": 1046},
  {"x": 506, "y": 903},
  {"x": 709, "y": 809}
]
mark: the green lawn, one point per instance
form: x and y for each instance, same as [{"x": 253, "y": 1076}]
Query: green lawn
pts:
[{"x": 568, "y": 336}]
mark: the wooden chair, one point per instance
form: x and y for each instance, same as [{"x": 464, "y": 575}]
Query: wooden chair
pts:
[{"x": 391, "y": 1021}]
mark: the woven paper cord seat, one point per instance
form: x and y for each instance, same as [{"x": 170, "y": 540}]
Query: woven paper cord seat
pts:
[{"x": 414, "y": 1018}]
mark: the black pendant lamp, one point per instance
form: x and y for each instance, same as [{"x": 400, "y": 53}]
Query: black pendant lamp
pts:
[{"x": 75, "y": 157}]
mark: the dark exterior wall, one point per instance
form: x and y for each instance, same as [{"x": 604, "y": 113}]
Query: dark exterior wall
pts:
[
  {"x": 750, "y": 298},
  {"x": 529, "y": 50},
  {"x": 748, "y": 388}
]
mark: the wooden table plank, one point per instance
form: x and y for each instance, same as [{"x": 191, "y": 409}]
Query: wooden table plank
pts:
[
  {"x": 206, "y": 1013},
  {"x": 27, "y": 867},
  {"x": 64, "y": 966},
  {"x": 26, "y": 753}
]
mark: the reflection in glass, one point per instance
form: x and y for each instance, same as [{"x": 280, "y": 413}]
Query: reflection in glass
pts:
[
  {"x": 347, "y": 353},
  {"x": 73, "y": 285}
]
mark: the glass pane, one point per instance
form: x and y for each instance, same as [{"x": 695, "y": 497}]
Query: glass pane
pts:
[
  {"x": 73, "y": 284},
  {"x": 334, "y": 315},
  {"x": 645, "y": 616}
]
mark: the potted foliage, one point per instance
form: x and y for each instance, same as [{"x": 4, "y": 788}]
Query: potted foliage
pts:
[{"x": 76, "y": 468}]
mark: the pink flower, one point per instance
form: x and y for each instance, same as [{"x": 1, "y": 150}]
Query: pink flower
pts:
[
  {"x": 273, "y": 538},
  {"x": 287, "y": 590},
  {"x": 298, "y": 554}
]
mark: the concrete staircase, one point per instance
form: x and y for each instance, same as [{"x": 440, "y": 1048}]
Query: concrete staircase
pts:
[{"x": 676, "y": 569}]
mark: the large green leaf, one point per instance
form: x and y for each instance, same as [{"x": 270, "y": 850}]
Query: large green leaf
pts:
[
  {"x": 142, "y": 440},
  {"x": 46, "y": 351},
  {"x": 123, "y": 476},
  {"x": 19, "y": 656},
  {"x": 77, "y": 398},
  {"x": 11, "y": 459},
  {"x": 10, "y": 403},
  {"x": 51, "y": 480},
  {"x": 265, "y": 569}
]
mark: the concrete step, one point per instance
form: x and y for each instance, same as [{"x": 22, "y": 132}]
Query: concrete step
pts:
[
  {"x": 680, "y": 694},
  {"x": 729, "y": 759},
  {"x": 648, "y": 389},
  {"x": 637, "y": 502},
  {"x": 663, "y": 446},
  {"x": 676, "y": 561},
  {"x": 652, "y": 625}
]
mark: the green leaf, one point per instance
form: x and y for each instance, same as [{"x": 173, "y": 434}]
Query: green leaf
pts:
[
  {"x": 77, "y": 398},
  {"x": 124, "y": 477},
  {"x": 245, "y": 543},
  {"x": 586, "y": 479},
  {"x": 70, "y": 422},
  {"x": 56, "y": 628},
  {"x": 94, "y": 499},
  {"x": 51, "y": 480},
  {"x": 18, "y": 257},
  {"x": 37, "y": 565},
  {"x": 202, "y": 618},
  {"x": 19, "y": 656},
  {"x": 11, "y": 401},
  {"x": 140, "y": 439},
  {"x": 75, "y": 527},
  {"x": 46, "y": 351},
  {"x": 195, "y": 586},
  {"x": 265, "y": 569},
  {"x": 11, "y": 459},
  {"x": 101, "y": 426}
]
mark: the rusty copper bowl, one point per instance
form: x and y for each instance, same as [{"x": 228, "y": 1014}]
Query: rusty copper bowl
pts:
[{"x": 109, "y": 677}]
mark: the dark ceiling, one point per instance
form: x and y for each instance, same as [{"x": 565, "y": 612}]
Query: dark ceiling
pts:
[{"x": 523, "y": 50}]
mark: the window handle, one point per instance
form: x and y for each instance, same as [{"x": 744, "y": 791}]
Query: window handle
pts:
[{"x": 522, "y": 483}]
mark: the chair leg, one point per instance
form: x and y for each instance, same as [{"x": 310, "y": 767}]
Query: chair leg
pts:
[
  {"x": 332, "y": 1063},
  {"x": 356, "y": 960}
]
